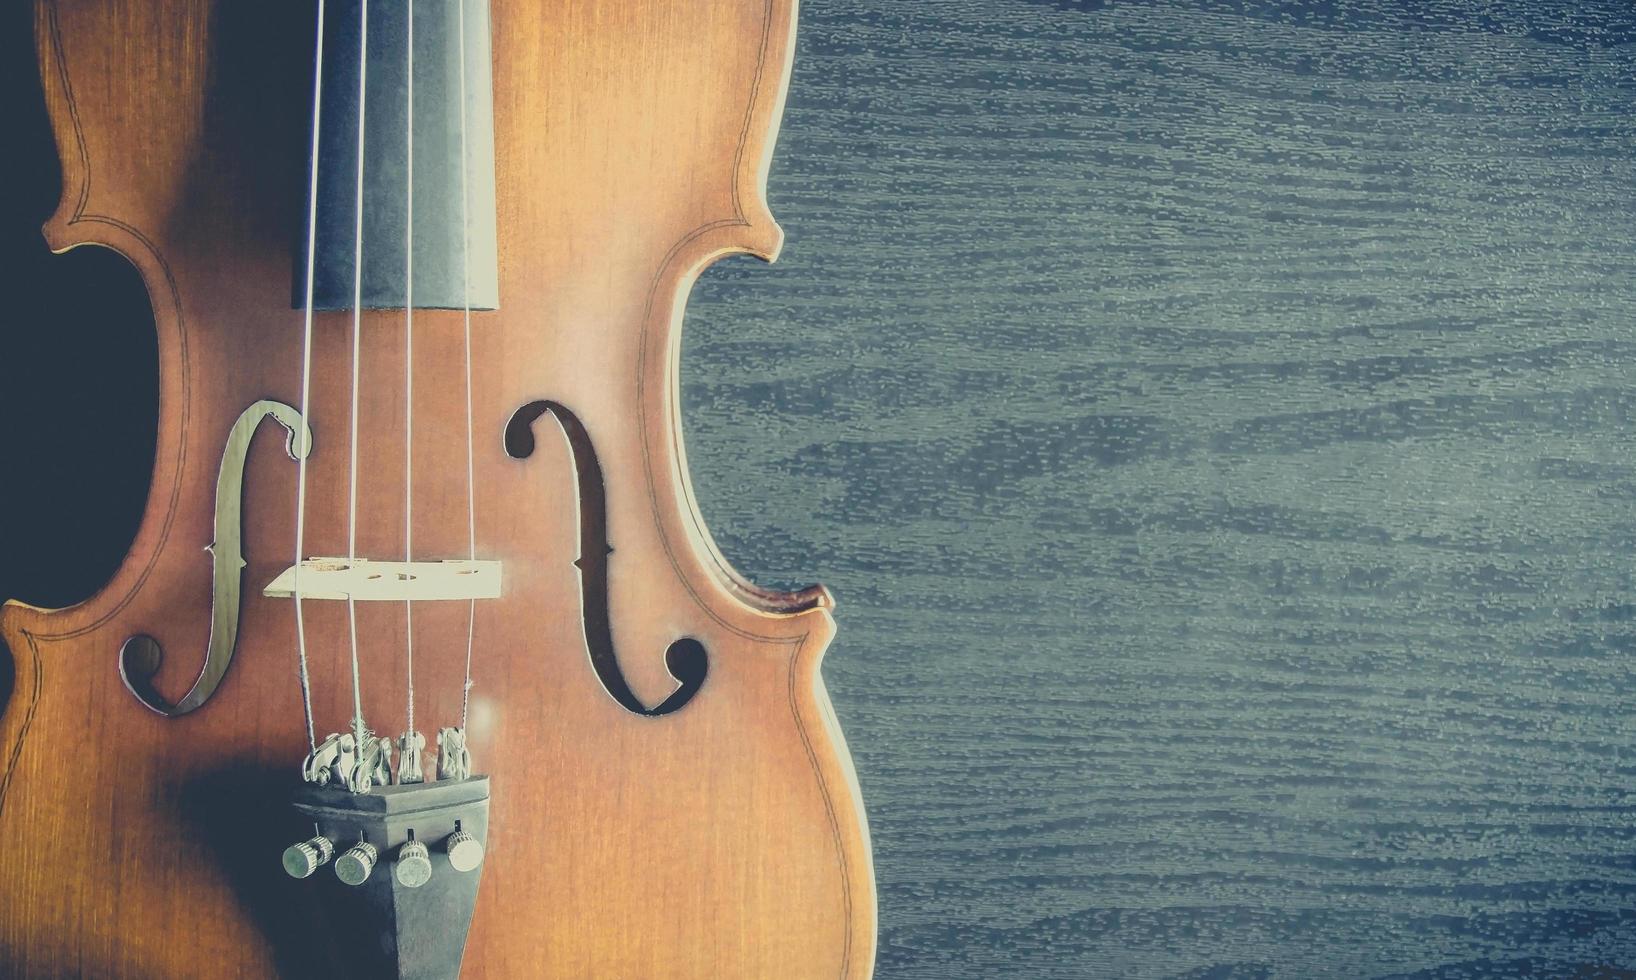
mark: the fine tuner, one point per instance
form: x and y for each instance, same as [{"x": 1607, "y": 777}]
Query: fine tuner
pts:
[{"x": 412, "y": 867}]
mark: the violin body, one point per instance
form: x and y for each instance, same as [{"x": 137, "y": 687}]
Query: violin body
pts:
[{"x": 725, "y": 838}]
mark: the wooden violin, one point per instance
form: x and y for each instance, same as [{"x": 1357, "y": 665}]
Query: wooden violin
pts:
[{"x": 421, "y": 599}]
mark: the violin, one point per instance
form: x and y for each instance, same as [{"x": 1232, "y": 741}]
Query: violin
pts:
[{"x": 423, "y": 662}]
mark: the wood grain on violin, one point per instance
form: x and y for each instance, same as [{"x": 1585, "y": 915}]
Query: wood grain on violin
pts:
[{"x": 671, "y": 794}]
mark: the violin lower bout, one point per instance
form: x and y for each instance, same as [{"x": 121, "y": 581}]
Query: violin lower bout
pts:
[{"x": 702, "y": 844}]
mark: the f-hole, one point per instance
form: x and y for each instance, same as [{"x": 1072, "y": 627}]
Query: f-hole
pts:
[
  {"x": 141, "y": 656},
  {"x": 686, "y": 658}
]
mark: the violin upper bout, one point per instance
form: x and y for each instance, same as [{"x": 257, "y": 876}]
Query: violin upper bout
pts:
[
  {"x": 124, "y": 163},
  {"x": 110, "y": 152},
  {"x": 59, "y": 229},
  {"x": 761, "y": 234},
  {"x": 780, "y": 49}
]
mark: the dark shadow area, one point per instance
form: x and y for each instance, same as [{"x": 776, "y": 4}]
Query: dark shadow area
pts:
[
  {"x": 79, "y": 389},
  {"x": 240, "y": 818},
  {"x": 251, "y": 160}
]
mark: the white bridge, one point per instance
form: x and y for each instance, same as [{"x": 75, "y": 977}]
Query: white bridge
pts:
[{"x": 365, "y": 580}]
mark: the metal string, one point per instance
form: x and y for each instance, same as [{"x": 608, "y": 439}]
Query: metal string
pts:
[
  {"x": 358, "y": 728},
  {"x": 409, "y": 369},
  {"x": 306, "y": 383},
  {"x": 465, "y": 252}
]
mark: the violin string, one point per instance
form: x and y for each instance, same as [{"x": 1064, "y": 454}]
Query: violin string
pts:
[
  {"x": 357, "y": 334},
  {"x": 306, "y": 383},
  {"x": 409, "y": 365},
  {"x": 465, "y": 255}
]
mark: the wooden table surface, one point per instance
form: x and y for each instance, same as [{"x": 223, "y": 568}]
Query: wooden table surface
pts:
[{"x": 1215, "y": 421}]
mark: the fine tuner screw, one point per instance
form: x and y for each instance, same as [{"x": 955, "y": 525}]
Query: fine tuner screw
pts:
[
  {"x": 465, "y": 851},
  {"x": 355, "y": 866},
  {"x": 414, "y": 864},
  {"x": 301, "y": 860}
]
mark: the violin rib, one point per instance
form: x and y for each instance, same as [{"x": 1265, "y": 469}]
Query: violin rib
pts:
[{"x": 717, "y": 831}]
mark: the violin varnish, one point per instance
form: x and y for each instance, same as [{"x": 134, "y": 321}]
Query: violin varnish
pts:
[{"x": 672, "y": 795}]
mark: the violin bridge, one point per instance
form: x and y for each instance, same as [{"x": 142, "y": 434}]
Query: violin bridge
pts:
[{"x": 365, "y": 580}]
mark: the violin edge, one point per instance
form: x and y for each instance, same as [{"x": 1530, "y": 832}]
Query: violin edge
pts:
[
  {"x": 802, "y": 617},
  {"x": 68, "y": 227},
  {"x": 18, "y": 704},
  {"x": 753, "y": 231},
  {"x": 831, "y": 761}
]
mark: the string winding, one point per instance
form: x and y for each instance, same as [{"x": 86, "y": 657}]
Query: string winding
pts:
[
  {"x": 306, "y": 381},
  {"x": 465, "y": 289},
  {"x": 359, "y": 730},
  {"x": 409, "y": 369}
]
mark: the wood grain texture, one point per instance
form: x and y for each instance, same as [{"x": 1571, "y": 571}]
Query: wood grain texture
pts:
[
  {"x": 1218, "y": 422},
  {"x": 726, "y": 839}
]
